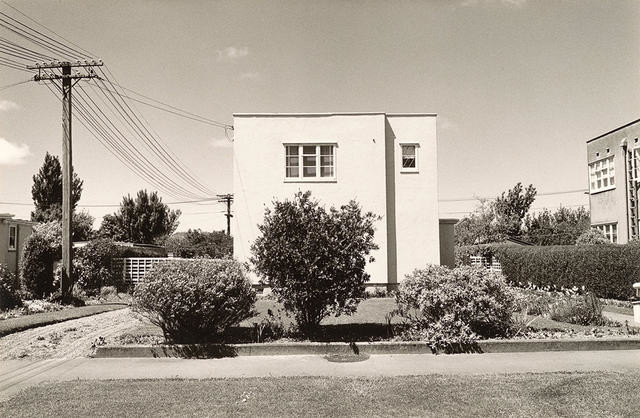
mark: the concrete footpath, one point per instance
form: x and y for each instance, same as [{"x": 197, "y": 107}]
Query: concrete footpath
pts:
[{"x": 16, "y": 375}]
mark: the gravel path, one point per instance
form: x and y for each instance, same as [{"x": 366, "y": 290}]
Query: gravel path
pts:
[{"x": 69, "y": 339}]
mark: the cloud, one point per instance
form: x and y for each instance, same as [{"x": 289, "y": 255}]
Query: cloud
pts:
[
  {"x": 8, "y": 105},
  {"x": 221, "y": 143},
  {"x": 232, "y": 53},
  {"x": 250, "y": 76},
  {"x": 13, "y": 154}
]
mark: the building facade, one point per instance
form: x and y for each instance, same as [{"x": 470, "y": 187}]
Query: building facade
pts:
[
  {"x": 386, "y": 162},
  {"x": 614, "y": 178},
  {"x": 13, "y": 234}
]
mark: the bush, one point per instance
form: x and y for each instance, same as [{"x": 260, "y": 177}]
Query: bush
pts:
[
  {"x": 9, "y": 289},
  {"x": 607, "y": 270},
  {"x": 585, "y": 310},
  {"x": 314, "y": 259},
  {"x": 592, "y": 236},
  {"x": 92, "y": 266},
  {"x": 195, "y": 301},
  {"x": 450, "y": 309},
  {"x": 36, "y": 266}
]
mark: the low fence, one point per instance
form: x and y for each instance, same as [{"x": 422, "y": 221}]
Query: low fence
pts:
[
  {"x": 133, "y": 269},
  {"x": 490, "y": 263}
]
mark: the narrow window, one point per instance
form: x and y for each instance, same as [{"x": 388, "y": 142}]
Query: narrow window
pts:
[
  {"x": 409, "y": 158},
  {"x": 12, "y": 237},
  {"x": 309, "y": 161},
  {"x": 326, "y": 161}
]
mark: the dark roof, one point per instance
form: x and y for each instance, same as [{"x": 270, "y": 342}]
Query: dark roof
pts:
[{"x": 518, "y": 241}]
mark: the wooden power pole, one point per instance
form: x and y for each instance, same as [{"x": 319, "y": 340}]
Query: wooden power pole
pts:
[
  {"x": 228, "y": 199},
  {"x": 45, "y": 72}
]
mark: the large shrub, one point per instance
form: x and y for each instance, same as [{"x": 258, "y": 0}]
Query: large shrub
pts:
[
  {"x": 451, "y": 308},
  {"x": 609, "y": 271},
  {"x": 314, "y": 259},
  {"x": 195, "y": 301},
  {"x": 9, "y": 289},
  {"x": 36, "y": 265},
  {"x": 92, "y": 266}
]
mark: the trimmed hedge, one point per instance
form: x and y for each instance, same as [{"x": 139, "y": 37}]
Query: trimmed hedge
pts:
[{"x": 607, "y": 270}]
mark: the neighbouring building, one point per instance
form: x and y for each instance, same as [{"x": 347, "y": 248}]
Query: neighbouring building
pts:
[
  {"x": 13, "y": 233},
  {"x": 386, "y": 162},
  {"x": 614, "y": 181}
]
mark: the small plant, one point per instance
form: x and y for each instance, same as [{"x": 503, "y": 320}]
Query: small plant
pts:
[
  {"x": 9, "y": 289},
  {"x": 195, "y": 301},
  {"x": 451, "y": 309}
]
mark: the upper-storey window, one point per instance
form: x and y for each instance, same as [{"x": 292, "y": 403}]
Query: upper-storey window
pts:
[
  {"x": 409, "y": 157},
  {"x": 310, "y": 162},
  {"x": 635, "y": 164},
  {"x": 13, "y": 237},
  {"x": 602, "y": 175}
]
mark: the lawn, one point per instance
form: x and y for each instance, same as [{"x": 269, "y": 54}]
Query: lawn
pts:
[{"x": 544, "y": 395}]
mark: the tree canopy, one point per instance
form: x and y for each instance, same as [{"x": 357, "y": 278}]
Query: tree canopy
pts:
[
  {"x": 143, "y": 219},
  {"x": 197, "y": 243},
  {"x": 47, "y": 190}
]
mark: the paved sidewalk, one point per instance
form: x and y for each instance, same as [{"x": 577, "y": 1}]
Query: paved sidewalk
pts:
[{"x": 16, "y": 375}]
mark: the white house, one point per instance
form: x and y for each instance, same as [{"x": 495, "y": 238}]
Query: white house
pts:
[{"x": 386, "y": 162}]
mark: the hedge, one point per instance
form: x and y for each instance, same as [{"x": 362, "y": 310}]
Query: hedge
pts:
[{"x": 607, "y": 270}]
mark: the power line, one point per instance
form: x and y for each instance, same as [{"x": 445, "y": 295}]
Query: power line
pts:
[
  {"x": 537, "y": 194},
  {"x": 111, "y": 205},
  {"x": 15, "y": 84}
]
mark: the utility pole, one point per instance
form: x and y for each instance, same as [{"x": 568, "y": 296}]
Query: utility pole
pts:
[
  {"x": 66, "y": 283},
  {"x": 227, "y": 198}
]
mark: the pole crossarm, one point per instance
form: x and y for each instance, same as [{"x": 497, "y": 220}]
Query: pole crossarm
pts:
[
  {"x": 58, "y": 64},
  {"x": 40, "y": 77}
]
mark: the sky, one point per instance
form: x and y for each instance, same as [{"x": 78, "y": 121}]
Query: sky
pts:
[{"x": 519, "y": 86}]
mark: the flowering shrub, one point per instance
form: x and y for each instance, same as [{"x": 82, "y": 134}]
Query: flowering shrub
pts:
[
  {"x": 195, "y": 301},
  {"x": 9, "y": 289},
  {"x": 92, "y": 266},
  {"x": 581, "y": 310},
  {"x": 451, "y": 309}
]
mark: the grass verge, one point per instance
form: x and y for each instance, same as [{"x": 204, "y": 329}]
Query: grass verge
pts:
[
  {"x": 11, "y": 325},
  {"x": 548, "y": 394}
]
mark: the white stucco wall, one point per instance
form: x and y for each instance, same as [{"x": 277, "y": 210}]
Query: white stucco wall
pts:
[
  {"x": 416, "y": 194},
  {"x": 368, "y": 169},
  {"x": 259, "y": 170}
]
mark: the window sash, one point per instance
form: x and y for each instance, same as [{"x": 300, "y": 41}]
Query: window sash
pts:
[
  {"x": 310, "y": 161},
  {"x": 409, "y": 157},
  {"x": 602, "y": 175}
]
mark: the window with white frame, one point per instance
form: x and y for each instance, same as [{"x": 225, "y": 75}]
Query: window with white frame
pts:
[
  {"x": 13, "y": 237},
  {"x": 310, "y": 162},
  {"x": 610, "y": 231},
  {"x": 409, "y": 157},
  {"x": 602, "y": 175},
  {"x": 635, "y": 164}
]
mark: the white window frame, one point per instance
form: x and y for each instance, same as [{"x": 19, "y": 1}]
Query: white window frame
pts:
[
  {"x": 609, "y": 230},
  {"x": 602, "y": 171},
  {"x": 416, "y": 147},
  {"x": 13, "y": 228},
  {"x": 635, "y": 164},
  {"x": 317, "y": 178}
]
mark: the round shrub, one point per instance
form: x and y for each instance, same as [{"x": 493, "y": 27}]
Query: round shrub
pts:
[
  {"x": 9, "y": 289},
  {"x": 92, "y": 266},
  {"x": 36, "y": 266},
  {"x": 451, "y": 309},
  {"x": 195, "y": 301}
]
